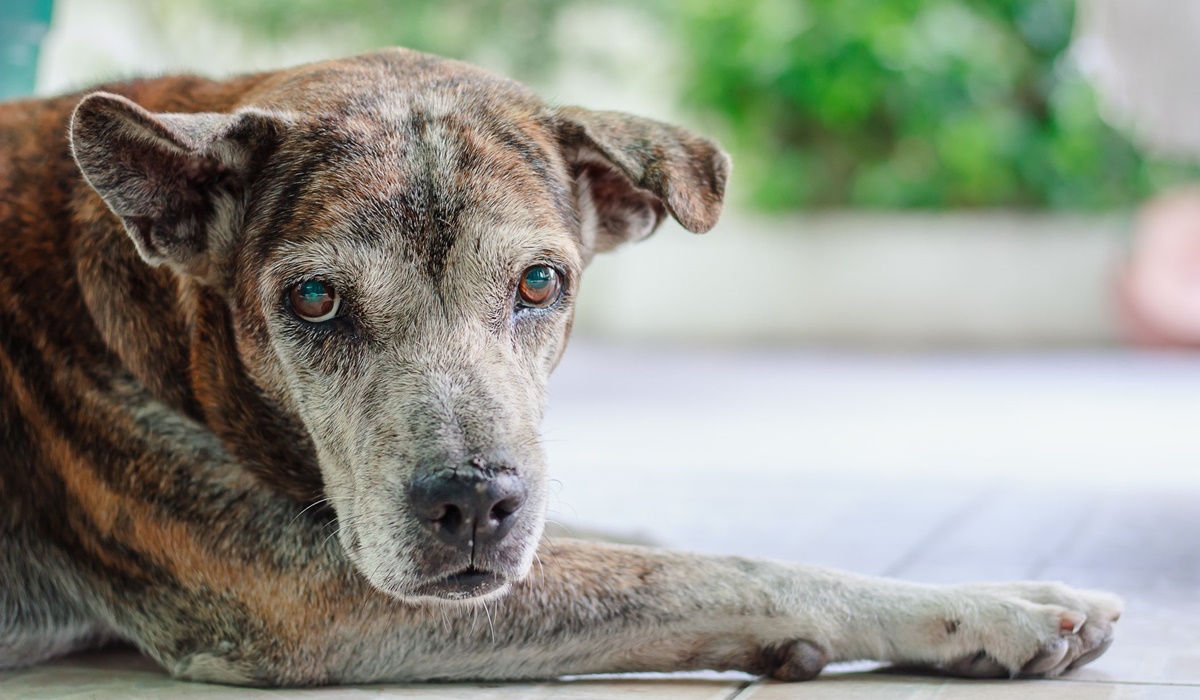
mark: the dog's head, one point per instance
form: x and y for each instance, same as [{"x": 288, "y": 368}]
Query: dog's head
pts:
[{"x": 399, "y": 240}]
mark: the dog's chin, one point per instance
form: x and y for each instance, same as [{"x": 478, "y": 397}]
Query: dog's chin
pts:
[
  {"x": 467, "y": 586},
  {"x": 464, "y": 586},
  {"x": 441, "y": 575}
]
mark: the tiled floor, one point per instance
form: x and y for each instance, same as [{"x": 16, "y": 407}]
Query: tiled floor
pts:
[{"x": 1084, "y": 468}]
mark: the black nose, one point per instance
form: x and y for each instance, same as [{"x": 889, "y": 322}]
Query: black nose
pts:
[{"x": 467, "y": 507}]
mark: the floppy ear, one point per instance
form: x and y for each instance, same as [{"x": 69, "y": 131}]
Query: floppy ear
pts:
[
  {"x": 630, "y": 171},
  {"x": 176, "y": 180}
]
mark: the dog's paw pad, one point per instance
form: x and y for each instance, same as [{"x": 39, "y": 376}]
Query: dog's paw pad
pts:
[
  {"x": 796, "y": 660},
  {"x": 1089, "y": 656},
  {"x": 1048, "y": 659},
  {"x": 978, "y": 665}
]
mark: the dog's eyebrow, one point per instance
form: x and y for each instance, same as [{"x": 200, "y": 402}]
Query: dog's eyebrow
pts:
[
  {"x": 483, "y": 156},
  {"x": 454, "y": 158},
  {"x": 290, "y": 207},
  {"x": 483, "y": 143},
  {"x": 533, "y": 155}
]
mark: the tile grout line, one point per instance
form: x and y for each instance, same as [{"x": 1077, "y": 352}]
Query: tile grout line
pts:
[
  {"x": 740, "y": 691},
  {"x": 1176, "y": 684},
  {"x": 748, "y": 688}
]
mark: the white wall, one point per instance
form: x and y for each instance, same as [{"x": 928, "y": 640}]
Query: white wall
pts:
[{"x": 895, "y": 279}]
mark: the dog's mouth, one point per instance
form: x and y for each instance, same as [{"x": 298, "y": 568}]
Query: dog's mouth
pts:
[{"x": 469, "y": 583}]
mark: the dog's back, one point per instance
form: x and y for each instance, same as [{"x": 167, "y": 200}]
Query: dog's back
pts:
[
  {"x": 40, "y": 333},
  {"x": 62, "y": 262}
]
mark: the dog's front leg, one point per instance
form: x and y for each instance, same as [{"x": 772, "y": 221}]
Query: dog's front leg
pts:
[
  {"x": 602, "y": 608},
  {"x": 590, "y": 608}
]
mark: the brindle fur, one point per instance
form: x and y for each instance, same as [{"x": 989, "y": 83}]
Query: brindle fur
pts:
[{"x": 185, "y": 466}]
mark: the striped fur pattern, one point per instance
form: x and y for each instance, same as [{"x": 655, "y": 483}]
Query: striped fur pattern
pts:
[{"x": 188, "y": 466}]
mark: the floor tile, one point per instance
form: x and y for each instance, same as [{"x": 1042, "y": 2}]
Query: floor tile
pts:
[
  {"x": 125, "y": 675},
  {"x": 885, "y": 687}
]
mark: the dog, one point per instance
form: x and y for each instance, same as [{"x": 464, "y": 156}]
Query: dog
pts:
[{"x": 273, "y": 356}]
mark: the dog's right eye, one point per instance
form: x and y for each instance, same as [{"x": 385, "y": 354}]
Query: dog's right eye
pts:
[{"x": 315, "y": 301}]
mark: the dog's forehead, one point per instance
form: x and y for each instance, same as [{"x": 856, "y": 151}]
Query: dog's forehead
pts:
[
  {"x": 443, "y": 191},
  {"x": 413, "y": 175}
]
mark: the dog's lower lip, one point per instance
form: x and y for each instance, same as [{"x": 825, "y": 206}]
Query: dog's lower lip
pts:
[{"x": 468, "y": 583}]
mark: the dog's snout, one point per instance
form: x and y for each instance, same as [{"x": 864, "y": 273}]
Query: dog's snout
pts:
[{"x": 468, "y": 508}]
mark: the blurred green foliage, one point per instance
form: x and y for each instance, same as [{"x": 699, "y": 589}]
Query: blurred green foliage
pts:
[
  {"x": 523, "y": 30},
  {"x": 910, "y": 103},
  {"x": 832, "y": 103}
]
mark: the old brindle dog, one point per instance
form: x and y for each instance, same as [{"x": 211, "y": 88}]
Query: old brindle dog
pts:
[{"x": 240, "y": 317}]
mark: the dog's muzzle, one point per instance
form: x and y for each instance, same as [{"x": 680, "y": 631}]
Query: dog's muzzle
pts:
[{"x": 469, "y": 510}]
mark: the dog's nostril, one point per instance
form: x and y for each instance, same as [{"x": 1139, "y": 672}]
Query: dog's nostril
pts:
[
  {"x": 451, "y": 518},
  {"x": 504, "y": 509}
]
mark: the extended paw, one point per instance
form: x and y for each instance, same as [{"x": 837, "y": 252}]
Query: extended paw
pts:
[{"x": 1035, "y": 629}]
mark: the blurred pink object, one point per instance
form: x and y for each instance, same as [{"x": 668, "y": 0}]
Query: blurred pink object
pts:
[
  {"x": 1141, "y": 57},
  {"x": 1160, "y": 286}
]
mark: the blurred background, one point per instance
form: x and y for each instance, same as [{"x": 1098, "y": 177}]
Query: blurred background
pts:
[
  {"x": 963, "y": 236},
  {"x": 973, "y": 220},
  {"x": 911, "y": 173},
  {"x": 947, "y": 327}
]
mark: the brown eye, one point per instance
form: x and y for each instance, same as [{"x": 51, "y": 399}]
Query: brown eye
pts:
[
  {"x": 540, "y": 286},
  {"x": 315, "y": 301}
]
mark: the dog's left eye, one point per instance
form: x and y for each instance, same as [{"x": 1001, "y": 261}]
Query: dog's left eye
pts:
[
  {"x": 540, "y": 286},
  {"x": 315, "y": 301}
]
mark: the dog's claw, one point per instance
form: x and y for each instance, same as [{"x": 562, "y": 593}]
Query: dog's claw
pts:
[
  {"x": 1089, "y": 656},
  {"x": 1049, "y": 658},
  {"x": 1072, "y": 622}
]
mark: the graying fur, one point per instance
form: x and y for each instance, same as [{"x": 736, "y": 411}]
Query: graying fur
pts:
[{"x": 421, "y": 189}]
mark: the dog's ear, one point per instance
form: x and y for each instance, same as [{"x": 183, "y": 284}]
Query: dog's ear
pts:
[
  {"x": 630, "y": 171},
  {"x": 176, "y": 180}
]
